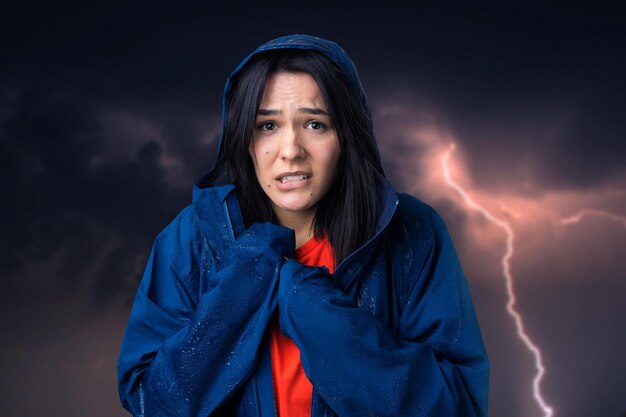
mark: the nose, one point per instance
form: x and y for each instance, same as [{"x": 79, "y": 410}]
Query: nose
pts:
[{"x": 291, "y": 146}]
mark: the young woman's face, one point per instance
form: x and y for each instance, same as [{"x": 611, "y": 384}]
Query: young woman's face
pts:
[{"x": 294, "y": 148}]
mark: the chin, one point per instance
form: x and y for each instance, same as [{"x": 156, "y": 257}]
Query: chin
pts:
[{"x": 296, "y": 206}]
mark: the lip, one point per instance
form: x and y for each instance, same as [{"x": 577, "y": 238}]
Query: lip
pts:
[
  {"x": 291, "y": 173},
  {"x": 293, "y": 184}
]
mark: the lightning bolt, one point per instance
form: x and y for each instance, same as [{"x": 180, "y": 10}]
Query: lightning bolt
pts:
[
  {"x": 592, "y": 212},
  {"x": 506, "y": 268}
]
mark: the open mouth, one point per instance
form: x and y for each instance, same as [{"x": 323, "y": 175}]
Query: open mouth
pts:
[{"x": 293, "y": 178}]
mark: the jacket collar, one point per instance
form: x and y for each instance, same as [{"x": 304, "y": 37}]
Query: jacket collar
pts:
[
  {"x": 350, "y": 268},
  {"x": 219, "y": 213}
]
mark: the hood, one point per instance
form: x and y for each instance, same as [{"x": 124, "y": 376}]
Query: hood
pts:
[{"x": 304, "y": 42}]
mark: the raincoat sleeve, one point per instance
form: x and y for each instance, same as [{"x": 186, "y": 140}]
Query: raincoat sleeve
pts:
[
  {"x": 187, "y": 348},
  {"x": 434, "y": 364}
]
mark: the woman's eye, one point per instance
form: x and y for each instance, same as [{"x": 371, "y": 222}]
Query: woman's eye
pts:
[
  {"x": 267, "y": 126},
  {"x": 316, "y": 125}
]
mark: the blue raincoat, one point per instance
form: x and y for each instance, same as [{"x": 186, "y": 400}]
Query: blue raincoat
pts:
[{"x": 391, "y": 333}]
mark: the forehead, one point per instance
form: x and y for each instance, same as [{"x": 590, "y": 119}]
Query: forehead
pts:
[{"x": 285, "y": 87}]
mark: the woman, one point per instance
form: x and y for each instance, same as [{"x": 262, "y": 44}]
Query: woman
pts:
[{"x": 298, "y": 282}]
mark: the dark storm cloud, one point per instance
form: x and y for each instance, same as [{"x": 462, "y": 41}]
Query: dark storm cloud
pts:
[
  {"x": 539, "y": 142},
  {"x": 62, "y": 201},
  {"x": 48, "y": 148},
  {"x": 541, "y": 146},
  {"x": 535, "y": 96}
]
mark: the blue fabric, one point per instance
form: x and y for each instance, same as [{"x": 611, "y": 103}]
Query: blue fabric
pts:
[{"x": 391, "y": 333}]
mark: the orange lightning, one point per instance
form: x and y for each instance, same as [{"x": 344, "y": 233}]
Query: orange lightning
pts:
[
  {"x": 506, "y": 266},
  {"x": 591, "y": 212}
]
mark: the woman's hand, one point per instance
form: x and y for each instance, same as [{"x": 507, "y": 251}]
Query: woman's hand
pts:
[
  {"x": 291, "y": 275},
  {"x": 255, "y": 258}
]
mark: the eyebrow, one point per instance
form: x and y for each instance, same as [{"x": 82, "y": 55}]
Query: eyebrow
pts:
[{"x": 308, "y": 110}]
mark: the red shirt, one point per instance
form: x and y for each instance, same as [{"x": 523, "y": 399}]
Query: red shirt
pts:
[{"x": 292, "y": 389}]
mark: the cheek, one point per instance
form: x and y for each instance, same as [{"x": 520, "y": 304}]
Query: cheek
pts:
[
  {"x": 253, "y": 150},
  {"x": 331, "y": 159},
  {"x": 260, "y": 159}
]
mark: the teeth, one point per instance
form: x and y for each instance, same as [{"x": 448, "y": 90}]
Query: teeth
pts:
[{"x": 293, "y": 178}]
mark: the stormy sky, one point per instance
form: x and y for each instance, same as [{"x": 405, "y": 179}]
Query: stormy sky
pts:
[{"x": 108, "y": 114}]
